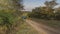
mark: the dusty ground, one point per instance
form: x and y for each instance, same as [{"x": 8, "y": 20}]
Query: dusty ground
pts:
[{"x": 42, "y": 29}]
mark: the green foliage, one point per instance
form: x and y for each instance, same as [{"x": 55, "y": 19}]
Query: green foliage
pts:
[
  {"x": 47, "y": 11},
  {"x": 51, "y": 4},
  {"x": 9, "y": 20},
  {"x": 10, "y": 14}
]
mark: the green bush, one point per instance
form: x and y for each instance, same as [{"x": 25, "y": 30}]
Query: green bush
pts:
[{"x": 9, "y": 20}]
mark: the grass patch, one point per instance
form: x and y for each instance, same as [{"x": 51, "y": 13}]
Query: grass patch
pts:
[{"x": 26, "y": 29}]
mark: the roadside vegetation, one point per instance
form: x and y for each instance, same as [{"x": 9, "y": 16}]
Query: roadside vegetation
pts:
[
  {"x": 10, "y": 16},
  {"x": 48, "y": 14}
]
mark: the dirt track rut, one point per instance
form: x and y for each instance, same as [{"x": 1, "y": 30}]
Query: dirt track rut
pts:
[{"x": 42, "y": 29}]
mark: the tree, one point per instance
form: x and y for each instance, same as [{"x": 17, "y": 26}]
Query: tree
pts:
[
  {"x": 57, "y": 13},
  {"x": 46, "y": 11},
  {"x": 51, "y": 4},
  {"x": 17, "y": 4},
  {"x": 49, "y": 7}
]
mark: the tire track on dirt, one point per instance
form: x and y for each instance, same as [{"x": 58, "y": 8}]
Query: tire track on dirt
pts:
[{"x": 42, "y": 29}]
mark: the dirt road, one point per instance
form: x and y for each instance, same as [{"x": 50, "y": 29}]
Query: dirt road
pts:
[{"x": 42, "y": 29}]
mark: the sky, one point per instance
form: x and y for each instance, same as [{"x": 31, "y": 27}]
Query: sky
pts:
[{"x": 31, "y": 4}]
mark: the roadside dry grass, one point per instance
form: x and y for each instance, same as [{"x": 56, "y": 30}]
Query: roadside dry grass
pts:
[{"x": 26, "y": 29}]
